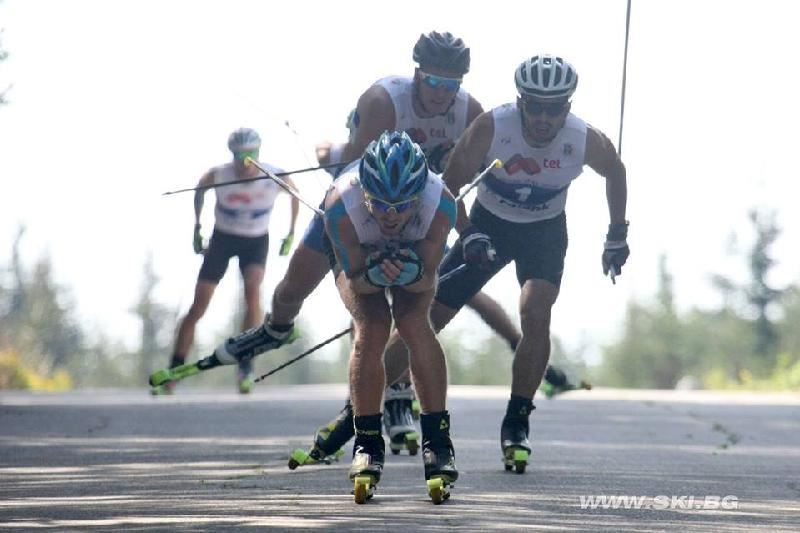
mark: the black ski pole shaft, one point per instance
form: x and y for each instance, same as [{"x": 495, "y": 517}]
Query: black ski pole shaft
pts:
[
  {"x": 248, "y": 180},
  {"x": 304, "y": 354}
]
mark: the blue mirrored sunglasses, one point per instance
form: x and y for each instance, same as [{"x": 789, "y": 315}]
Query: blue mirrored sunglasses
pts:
[
  {"x": 384, "y": 206},
  {"x": 434, "y": 82}
]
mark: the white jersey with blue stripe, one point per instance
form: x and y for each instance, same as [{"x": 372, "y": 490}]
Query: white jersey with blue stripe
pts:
[
  {"x": 533, "y": 182},
  {"x": 244, "y": 208}
]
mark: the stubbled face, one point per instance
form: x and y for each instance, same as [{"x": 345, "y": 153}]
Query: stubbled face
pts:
[
  {"x": 436, "y": 89},
  {"x": 391, "y": 218},
  {"x": 542, "y": 119}
]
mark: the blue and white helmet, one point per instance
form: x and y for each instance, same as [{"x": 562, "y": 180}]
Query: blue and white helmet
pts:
[
  {"x": 393, "y": 168},
  {"x": 546, "y": 77},
  {"x": 244, "y": 140}
]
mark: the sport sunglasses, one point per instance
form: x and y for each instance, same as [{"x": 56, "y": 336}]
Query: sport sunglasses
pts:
[{"x": 434, "y": 82}]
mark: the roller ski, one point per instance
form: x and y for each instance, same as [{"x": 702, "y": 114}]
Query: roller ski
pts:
[
  {"x": 328, "y": 441},
  {"x": 368, "y": 457},
  {"x": 514, "y": 435},
  {"x": 438, "y": 456},
  {"x": 398, "y": 419},
  {"x": 241, "y": 347},
  {"x": 556, "y": 382},
  {"x": 244, "y": 377}
]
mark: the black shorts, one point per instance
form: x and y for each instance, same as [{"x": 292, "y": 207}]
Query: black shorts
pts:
[
  {"x": 223, "y": 246},
  {"x": 537, "y": 249}
]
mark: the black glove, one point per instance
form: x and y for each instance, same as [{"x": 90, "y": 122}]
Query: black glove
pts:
[
  {"x": 615, "y": 250},
  {"x": 478, "y": 249}
]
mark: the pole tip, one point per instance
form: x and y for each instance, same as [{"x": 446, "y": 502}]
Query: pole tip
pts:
[{"x": 497, "y": 163}]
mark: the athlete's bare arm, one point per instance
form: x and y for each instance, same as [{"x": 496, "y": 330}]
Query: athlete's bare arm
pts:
[
  {"x": 602, "y": 157},
  {"x": 295, "y": 204},
  {"x": 431, "y": 249},
  {"x": 350, "y": 255},
  {"x": 206, "y": 180},
  {"x": 474, "y": 108},
  {"x": 375, "y": 113},
  {"x": 467, "y": 159}
]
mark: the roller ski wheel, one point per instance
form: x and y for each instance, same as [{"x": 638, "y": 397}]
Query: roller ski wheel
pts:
[
  {"x": 416, "y": 409},
  {"x": 516, "y": 459},
  {"x": 439, "y": 489},
  {"x": 177, "y": 373},
  {"x": 407, "y": 441},
  {"x": 364, "y": 488},
  {"x": 166, "y": 389},
  {"x": 300, "y": 457}
]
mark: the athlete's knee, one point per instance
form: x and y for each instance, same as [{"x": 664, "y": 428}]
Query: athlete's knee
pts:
[
  {"x": 371, "y": 338},
  {"x": 535, "y": 316}
]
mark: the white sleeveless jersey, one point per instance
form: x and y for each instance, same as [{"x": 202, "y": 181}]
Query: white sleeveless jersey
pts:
[
  {"x": 368, "y": 229},
  {"x": 244, "y": 208},
  {"x": 532, "y": 184},
  {"x": 436, "y": 135}
]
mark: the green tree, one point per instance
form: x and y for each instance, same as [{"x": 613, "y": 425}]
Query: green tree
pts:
[
  {"x": 157, "y": 324},
  {"x": 38, "y": 316},
  {"x": 651, "y": 352}
]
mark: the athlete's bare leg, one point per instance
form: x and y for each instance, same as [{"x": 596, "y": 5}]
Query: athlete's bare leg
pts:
[
  {"x": 307, "y": 268},
  {"x": 495, "y": 317},
  {"x": 253, "y": 276},
  {"x": 372, "y": 321},
  {"x": 203, "y": 292},
  {"x": 533, "y": 351}
]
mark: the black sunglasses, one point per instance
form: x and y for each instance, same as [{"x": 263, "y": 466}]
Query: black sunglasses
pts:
[{"x": 533, "y": 107}]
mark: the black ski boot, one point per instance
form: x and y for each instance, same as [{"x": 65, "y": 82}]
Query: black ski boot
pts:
[
  {"x": 369, "y": 452},
  {"x": 398, "y": 419},
  {"x": 253, "y": 342},
  {"x": 328, "y": 441},
  {"x": 438, "y": 455},
  {"x": 514, "y": 434}
]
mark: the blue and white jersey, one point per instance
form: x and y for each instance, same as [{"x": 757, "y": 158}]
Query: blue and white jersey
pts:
[
  {"x": 244, "y": 208},
  {"x": 533, "y": 182},
  {"x": 436, "y": 135}
]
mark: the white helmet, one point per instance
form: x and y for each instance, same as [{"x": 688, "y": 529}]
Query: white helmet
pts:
[
  {"x": 244, "y": 140},
  {"x": 546, "y": 77}
]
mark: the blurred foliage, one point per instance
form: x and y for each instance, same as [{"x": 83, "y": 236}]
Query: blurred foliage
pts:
[{"x": 749, "y": 342}]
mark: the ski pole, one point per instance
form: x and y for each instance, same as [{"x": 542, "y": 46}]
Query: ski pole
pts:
[
  {"x": 474, "y": 183},
  {"x": 248, "y": 180},
  {"x": 304, "y": 354},
  {"x": 285, "y": 186}
]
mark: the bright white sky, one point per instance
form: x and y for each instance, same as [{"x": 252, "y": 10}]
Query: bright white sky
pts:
[{"x": 116, "y": 102}]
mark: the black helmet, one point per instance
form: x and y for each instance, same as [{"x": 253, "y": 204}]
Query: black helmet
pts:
[{"x": 442, "y": 50}]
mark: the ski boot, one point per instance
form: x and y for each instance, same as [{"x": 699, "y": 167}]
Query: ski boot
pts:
[
  {"x": 328, "y": 441},
  {"x": 438, "y": 456},
  {"x": 514, "y": 434},
  {"x": 556, "y": 382},
  {"x": 368, "y": 457},
  {"x": 254, "y": 341},
  {"x": 398, "y": 419},
  {"x": 166, "y": 387},
  {"x": 244, "y": 376}
]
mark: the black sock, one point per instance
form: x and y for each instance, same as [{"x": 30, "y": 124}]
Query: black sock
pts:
[{"x": 519, "y": 406}]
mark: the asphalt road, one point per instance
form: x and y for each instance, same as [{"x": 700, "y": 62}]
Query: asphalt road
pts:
[{"x": 212, "y": 460}]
